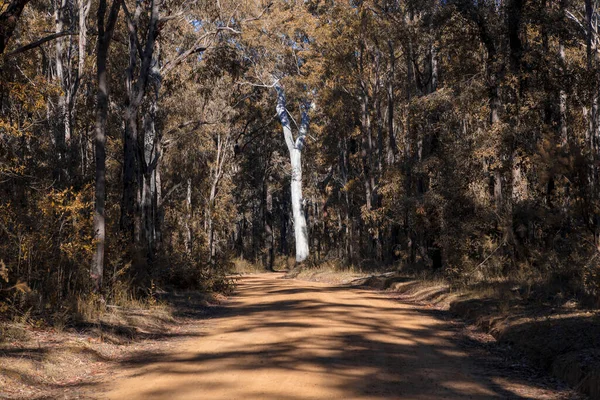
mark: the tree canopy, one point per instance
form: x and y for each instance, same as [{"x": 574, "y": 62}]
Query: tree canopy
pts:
[{"x": 141, "y": 141}]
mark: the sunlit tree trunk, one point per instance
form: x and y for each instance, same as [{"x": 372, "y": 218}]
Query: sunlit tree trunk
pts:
[
  {"x": 217, "y": 171},
  {"x": 295, "y": 150},
  {"x": 84, "y": 9}
]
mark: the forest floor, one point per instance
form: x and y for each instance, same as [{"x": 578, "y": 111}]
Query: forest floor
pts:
[{"x": 288, "y": 339}]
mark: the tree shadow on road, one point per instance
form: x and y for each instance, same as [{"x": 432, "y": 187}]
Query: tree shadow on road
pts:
[{"x": 365, "y": 350}]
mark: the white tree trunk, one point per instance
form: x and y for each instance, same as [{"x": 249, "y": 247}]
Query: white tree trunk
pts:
[
  {"x": 188, "y": 227},
  {"x": 62, "y": 124},
  {"x": 105, "y": 31},
  {"x": 300, "y": 229},
  {"x": 564, "y": 136},
  {"x": 295, "y": 149}
]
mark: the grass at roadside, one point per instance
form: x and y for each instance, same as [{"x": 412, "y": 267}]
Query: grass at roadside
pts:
[{"x": 46, "y": 362}]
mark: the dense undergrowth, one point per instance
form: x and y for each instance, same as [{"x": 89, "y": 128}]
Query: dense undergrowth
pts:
[{"x": 41, "y": 361}]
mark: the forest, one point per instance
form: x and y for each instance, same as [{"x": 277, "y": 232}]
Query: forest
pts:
[
  {"x": 327, "y": 199},
  {"x": 156, "y": 143}
]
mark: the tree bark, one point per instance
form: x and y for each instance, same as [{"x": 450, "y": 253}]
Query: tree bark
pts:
[
  {"x": 8, "y": 21},
  {"x": 131, "y": 209},
  {"x": 151, "y": 160},
  {"x": 564, "y": 135},
  {"x": 269, "y": 236},
  {"x": 63, "y": 122},
  {"x": 295, "y": 150},
  {"x": 105, "y": 31},
  {"x": 393, "y": 150},
  {"x": 188, "y": 219}
]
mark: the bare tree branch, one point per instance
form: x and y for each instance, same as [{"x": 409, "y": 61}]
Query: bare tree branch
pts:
[
  {"x": 131, "y": 26},
  {"x": 40, "y": 42},
  {"x": 203, "y": 43}
]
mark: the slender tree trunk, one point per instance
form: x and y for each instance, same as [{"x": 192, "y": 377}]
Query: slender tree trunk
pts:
[
  {"x": 130, "y": 139},
  {"x": 366, "y": 149},
  {"x": 80, "y": 153},
  {"x": 269, "y": 237},
  {"x": 379, "y": 116},
  {"x": 346, "y": 228},
  {"x": 210, "y": 224},
  {"x": 495, "y": 104},
  {"x": 187, "y": 223},
  {"x": 151, "y": 159},
  {"x": 62, "y": 123},
  {"x": 393, "y": 150},
  {"x": 217, "y": 171},
  {"x": 130, "y": 178},
  {"x": 380, "y": 162},
  {"x": 410, "y": 71},
  {"x": 564, "y": 135},
  {"x": 131, "y": 207},
  {"x": 283, "y": 230},
  {"x": 211, "y": 235},
  {"x": 84, "y": 9},
  {"x": 105, "y": 30},
  {"x": 434, "y": 67},
  {"x": 591, "y": 64},
  {"x": 157, "y": 204},
  {"x": 100, "y": 144}
]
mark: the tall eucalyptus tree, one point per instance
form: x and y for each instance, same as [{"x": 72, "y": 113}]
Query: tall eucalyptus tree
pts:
[{"x": 295, "y": 148}]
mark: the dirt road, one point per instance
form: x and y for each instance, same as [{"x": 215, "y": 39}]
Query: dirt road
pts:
[{"x": 283, "y": 339}]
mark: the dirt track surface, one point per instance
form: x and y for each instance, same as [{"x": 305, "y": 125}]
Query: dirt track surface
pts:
[{"x": 284, "y": 340}]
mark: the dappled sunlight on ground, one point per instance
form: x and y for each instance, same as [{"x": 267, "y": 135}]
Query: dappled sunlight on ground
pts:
[{"x": 284, "y": 339}]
